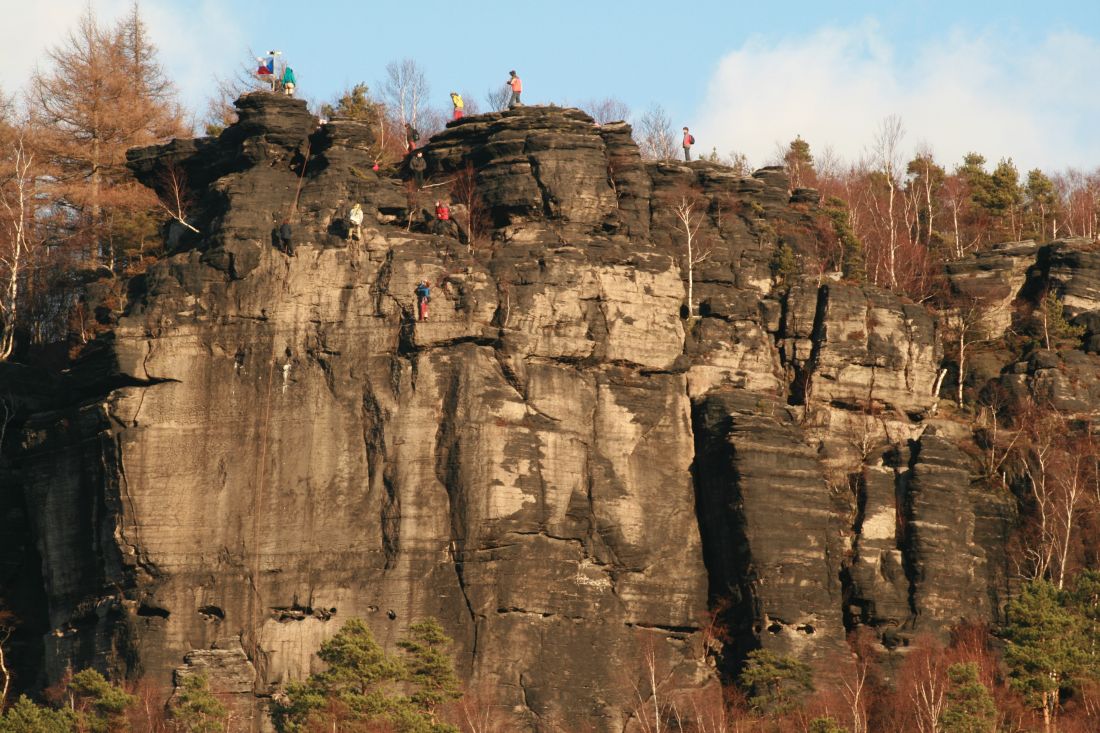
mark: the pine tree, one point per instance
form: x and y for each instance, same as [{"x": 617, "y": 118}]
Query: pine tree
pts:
[
  {"x": 428, "y": 666},
  {"x": 852, "y": 263},
  {"x": 100, "y": 706},
  {"x": 195, "y": 709},
  {"x": 826, "y": 724},
  {"x": 800, "y": 164},
  {"x": 27, "y": 717},
  {"x": 775, "y": 683},
  {"x": 362, "y": 684},
  {"x": 970, "y": 708},
  {"x": 1045, "y": 646},
  {"x": 1041, "y": 203}
]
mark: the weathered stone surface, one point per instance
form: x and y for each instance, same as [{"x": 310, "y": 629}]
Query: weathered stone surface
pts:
[
  {"x": 987, "y": 284},
  {"x": 568, "y": 463},
  {"x": 1073, "y": 270},
  {"x": 929, "y": 548},
  {"x": 768, "y": 524}
]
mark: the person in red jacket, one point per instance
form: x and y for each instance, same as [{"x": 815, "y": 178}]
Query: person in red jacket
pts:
[
  {"x": 689, "y": 140},
  {"x": 442, "y": 224},
  {"x": 517, "y": 89}
]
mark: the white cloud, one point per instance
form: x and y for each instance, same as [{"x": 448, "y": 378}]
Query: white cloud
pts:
[
  {"x": 195, "y": 39},
  {"x": 988, "y": 93}
]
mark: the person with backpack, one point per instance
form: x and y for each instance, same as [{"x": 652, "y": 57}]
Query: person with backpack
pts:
[
  {"x": 418, "y": 165},
  {"x": 289, "y": 81},
  {"x": 459, "y": 105},
  {"x": 689, "y": 140},
  {"x": 411, "y": 137},
  {"x": 517, "y": 88},
  {"x": 423, "y": 297}
]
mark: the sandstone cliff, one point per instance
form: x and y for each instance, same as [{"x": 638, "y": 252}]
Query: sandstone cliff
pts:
[{"x": 566, "y": 465}]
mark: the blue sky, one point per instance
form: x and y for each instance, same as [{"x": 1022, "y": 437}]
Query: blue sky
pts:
[{"x": 1005, "y": 78}]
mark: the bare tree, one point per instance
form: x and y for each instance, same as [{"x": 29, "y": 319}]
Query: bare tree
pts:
[
  {"x": 497, "y": 98},
  {"x": 689, "y": 220},
  {"x": 656, "y": 140},
  {"x": 17, "y": 194},
  {"x": 606, "y": 110},
  {"x": 404, "y": 88},
  {"x": 174, "y": 195},
  {"x": 886, "y": 152}
]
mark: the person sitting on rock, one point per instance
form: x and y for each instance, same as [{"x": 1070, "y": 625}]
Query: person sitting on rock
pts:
[
  {"x": 442, "y": 223},
  {"x": 286, "y": 243},
  {"x": 418, "y": 165},
  {"x": 423, "y": 297},
  {"x": 517, "y": 88},
  {"x": 459, "y": 105},
  {"x": 289, "y": 81},
  {"x": 355, "y": 223}
]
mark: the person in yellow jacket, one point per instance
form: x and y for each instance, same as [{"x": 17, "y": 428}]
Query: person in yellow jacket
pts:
[{"x": 456, "y": 100}]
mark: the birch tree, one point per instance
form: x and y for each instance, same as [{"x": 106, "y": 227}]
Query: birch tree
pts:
[{"x": 404, "y": 89}]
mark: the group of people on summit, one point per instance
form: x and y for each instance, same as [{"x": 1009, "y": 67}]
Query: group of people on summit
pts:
[{"x": 285, "y": 82}]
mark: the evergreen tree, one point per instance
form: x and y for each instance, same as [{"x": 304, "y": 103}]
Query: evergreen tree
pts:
[
  {"x": 355, "y": 104},
  {"x": 100, "y": 706},
  {"x": 362, "y": 684},
  {"x": 970, "y": 708},
  {"x": 428, "y": 666},
  {"x": 826, "y": 724},
  {"x": 800, "y": 164},
  {"x": 775, "y": 683},
  {"x": 1041, "y": 204},
  {"x": 1046, "y": 647},
  {"x": 27, "y": 717},
  {"x": 195, "y": 709},
  {"x": 852, "y": 263}
]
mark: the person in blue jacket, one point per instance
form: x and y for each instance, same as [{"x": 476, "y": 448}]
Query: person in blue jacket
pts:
[{"x": 423, "y": 297}]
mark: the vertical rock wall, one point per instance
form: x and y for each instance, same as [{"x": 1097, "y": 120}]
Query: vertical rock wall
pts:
[{"x": 558, "y": 464}]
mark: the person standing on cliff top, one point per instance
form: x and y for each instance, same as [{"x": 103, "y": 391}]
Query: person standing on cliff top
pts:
[
  {"x": 289, "y": 81},
  {"x": 418, "y": 165},
  {"x": 459, "y": 105},
  {"x": 517, "y": 89},
  {"x": 411, "y": 136},
  {"x": 689, "y": 140},
  {"x": 423, "y": 297}
]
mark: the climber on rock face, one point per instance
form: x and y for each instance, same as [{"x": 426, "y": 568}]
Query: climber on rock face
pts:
[
  {"x": 355, "y": 223},
  {"x": 286, "y": 243},
  {"x": 459, "y": 105},
  {"x": 689, "y": 140},
  {"x": 418, "y": 165},
  {"x": 517, "y": 88},
  {"x": 411, "y": 136},
  {"x": 423, "y": 297}
]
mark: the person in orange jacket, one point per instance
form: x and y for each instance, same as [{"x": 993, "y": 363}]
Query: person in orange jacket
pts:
[{"x": 517, "y": 89}]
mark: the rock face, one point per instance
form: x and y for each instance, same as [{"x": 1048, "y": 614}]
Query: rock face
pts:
[{"x": 565, "y": 464}]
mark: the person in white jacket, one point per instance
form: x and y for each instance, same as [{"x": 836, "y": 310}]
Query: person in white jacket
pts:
[{"x": 355, "y": 223}]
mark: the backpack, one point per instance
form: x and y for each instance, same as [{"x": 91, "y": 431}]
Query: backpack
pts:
[
  {"x": 691, "y": 139},
  {"x": 414, "y": 135}
]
